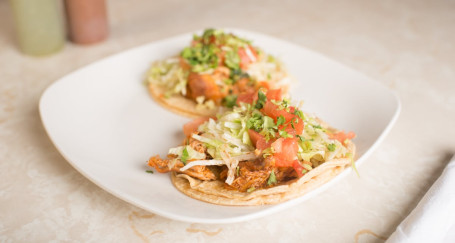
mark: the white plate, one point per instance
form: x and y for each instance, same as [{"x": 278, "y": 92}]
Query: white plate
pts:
[{"x": 105, "y": 124}]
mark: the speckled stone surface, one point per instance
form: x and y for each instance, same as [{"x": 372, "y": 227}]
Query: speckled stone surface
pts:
[{"x": 407, "y": 45}]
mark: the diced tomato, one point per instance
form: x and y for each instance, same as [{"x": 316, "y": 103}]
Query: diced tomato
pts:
[
  {"x": 258, "y": 140},
  {"x": 278, "y": 145},
  {"x": 248, "y": 97},
  {"x": 192, "y": 126},
  {"x": 297, "y": 167},
  {"x": 298, "y": 124},
  {"x": 274, "y": 112},
  {"x": 285, "y": 151},
  {"x": 221, "y": 57},
  {"x": 247, "y": 58},
  {"x": 212, "y": 39},
  {"x": 274, "y": 94},
  {"x": 254, "y": 136},
  {"x": 294, "y": 126},
  {"x": 341, "y": 136}
]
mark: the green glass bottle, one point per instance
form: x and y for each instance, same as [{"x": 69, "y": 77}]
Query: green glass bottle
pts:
[{"x": 39, "y": 25}]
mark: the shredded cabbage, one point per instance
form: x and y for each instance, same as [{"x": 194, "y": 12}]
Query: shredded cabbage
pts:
[
  {"x": 192, "y": 154},
  {"x": 169, "y": 75}
]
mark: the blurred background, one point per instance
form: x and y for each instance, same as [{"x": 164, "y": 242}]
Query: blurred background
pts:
[{"x": 406, "y": 45}]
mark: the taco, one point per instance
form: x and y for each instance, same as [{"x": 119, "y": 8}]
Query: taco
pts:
[
  {"x": 263, "y": 151},
  {"x": 212, "y": 72}
]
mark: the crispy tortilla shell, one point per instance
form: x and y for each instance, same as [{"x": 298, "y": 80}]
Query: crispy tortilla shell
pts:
[{"x": 215, "y": 191}]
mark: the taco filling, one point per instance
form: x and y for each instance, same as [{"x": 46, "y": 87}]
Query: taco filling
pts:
[
  {"x": 213, "y": 71},
  {"x": 264, "y": 142}
]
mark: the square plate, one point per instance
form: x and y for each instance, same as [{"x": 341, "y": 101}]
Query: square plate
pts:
[{"x": 103, "y": 121}]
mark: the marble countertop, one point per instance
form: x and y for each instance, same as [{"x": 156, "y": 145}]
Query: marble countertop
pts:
[{"x": 407, "y": 46}]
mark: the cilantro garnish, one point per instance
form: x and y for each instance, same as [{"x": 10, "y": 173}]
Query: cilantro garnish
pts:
[
  {"x": 232, "y": 60},
  {"x": 230, "y": 101},
  {"x": 299, "y": 113},
  {"x": 292, "y": 123},
  {"x": 201, "y": 57},
  {"x": 237, "y": 74},
  {"x": 261, "y": 100},
  {"x": 255, "y": 122},
  {"x": 280, "y": 120},
  {"x": 149, "y": 171},
  {"x": 285, "y": 103}
]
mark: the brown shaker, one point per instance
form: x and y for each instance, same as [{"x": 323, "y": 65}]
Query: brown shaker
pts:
[{"x": 87, "y": 20}]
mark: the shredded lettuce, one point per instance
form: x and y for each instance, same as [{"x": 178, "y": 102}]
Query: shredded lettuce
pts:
[
  {"x": 186, "y": 153},
  {"x": 169, "y": 75}
]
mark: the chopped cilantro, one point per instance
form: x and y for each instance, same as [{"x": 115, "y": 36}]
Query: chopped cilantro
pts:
[
  {"x": 317, "y": 126},
  {"x": 272, "y": 178},
  {"x": 230, "y": 101},
  {"x": 185, "y": 156},
  {"x": 255, "y": 122},
  {"x": 268, "y": 128},
  {"x": 280, "y": 120},
  {"x": 149, "y": 171},
  {"x": 237, "y": 74},
  {"x": 261, "y": 100},
  {"x": 232, "y": 60},
  {"x": 331, "y": 147},
  {"x": 201, "y": 57},
  {"x": 285, "y": 103},
  {"x": 292, "y": 123},
  {"x": 299, "y": 113}
]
